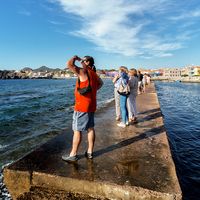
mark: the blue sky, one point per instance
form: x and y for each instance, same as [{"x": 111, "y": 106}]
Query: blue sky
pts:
[{"x": 145, "y": 34}]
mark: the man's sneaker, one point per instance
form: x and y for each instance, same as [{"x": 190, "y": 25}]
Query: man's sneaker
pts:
[
  {"x": 121, "y": 125},
  {"x": 89, "y": 155},
  {"x": 117, "y": 118},
  {"x": 67, "y": 158}
]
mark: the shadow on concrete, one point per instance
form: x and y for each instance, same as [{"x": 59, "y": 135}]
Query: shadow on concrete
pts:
[
  {"x": 150, "y": 111},
  {"x": 129, "y": 141},
  {"x": 150, "y": 117}
]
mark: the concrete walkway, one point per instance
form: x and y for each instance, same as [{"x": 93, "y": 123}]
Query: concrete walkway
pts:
[{"x": 129, "y": 163}]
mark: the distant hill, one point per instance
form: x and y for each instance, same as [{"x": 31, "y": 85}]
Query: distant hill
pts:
[
  {"x": 56, "y": 70},
  {"x": 46, "y": 69},
  {"x": 27, "y": 69}
]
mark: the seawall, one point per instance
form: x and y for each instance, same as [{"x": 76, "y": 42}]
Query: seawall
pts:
[
  {"x": 181, "y": 79},
  {"x": 129, "y": 163}
]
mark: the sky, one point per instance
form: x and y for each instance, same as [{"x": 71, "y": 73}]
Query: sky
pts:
[{"x": 148, "y": 34}]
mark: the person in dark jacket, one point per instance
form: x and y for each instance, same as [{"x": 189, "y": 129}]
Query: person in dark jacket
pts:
[{"x": 140, "y": 77}]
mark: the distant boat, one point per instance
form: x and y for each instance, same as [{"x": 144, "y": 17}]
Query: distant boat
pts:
[{"x": 177, "y": 80}]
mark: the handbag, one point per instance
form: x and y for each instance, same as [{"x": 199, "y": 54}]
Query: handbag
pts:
[
  {"x": 84, "y": 90},
  {"x": 125, "y": 91}
]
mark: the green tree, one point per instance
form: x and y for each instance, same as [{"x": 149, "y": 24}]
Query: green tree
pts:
[{"x": 184, "y": 75}]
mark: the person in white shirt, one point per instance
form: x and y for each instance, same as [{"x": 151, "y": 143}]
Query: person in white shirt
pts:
[{"x": 131, "y": 102}]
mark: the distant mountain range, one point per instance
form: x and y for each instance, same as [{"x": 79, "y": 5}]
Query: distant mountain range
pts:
[{"x": 43, "y": 69}]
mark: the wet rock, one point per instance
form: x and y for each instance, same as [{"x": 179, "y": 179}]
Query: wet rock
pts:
[{"x": 6, "y": 74}]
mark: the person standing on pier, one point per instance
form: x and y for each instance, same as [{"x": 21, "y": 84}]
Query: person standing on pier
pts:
[
  {"x": 117, "y": 99},
  {"x": 122, "y": 78},
  {"x": 144, "y": 81},
  {"x": 87, "y": 85},
  {"x": 148, "y": 79},
  {"x": 140, "y": 77},
  {"x": 131, "y": 101}
]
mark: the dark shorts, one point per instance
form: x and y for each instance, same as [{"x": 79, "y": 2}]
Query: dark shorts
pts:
[{"x": 82, "y": 121}]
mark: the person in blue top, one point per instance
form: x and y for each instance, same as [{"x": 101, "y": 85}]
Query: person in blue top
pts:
[
  {"x": 117, "y": 102},
  {"x": 122, "y": 78}
]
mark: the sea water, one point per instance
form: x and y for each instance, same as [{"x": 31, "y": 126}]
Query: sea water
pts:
[
  {"x": 34, "y": 110},
  {"x": 180, "y": 106}
]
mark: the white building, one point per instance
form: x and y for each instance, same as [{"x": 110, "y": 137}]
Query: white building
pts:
[
  {"x": 41, "y": 74},
  {"x": 172, "y": 73}
]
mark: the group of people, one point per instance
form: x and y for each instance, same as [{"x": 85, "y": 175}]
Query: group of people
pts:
[
  {"x": 86, "y": 88},
  {"x": 143, "y": 80},
  {"x": 127, "y": 104}
]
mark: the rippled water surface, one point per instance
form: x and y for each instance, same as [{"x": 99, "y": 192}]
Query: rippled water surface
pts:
[
  {"x": 180, "y": 106},
  {"x": 33, "y": 111}
]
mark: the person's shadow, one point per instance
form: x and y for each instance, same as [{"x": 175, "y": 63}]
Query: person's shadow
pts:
[{"x": 129, "y": 141}]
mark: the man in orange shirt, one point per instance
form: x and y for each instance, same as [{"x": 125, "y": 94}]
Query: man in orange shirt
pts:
[{"x": 85, "y": 105}]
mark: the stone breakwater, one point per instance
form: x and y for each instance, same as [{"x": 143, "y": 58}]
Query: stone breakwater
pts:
[
  {"x": 173, "y": 79},
  {"x": 134, "y": 162}
]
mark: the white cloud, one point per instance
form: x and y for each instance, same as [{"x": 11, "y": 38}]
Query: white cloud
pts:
[
  {"x": 24, "y": 12},
  {"x": 131, "y": 28},
  {"x": 187, "y": 15},
  {"x": 56, "y": 23}
]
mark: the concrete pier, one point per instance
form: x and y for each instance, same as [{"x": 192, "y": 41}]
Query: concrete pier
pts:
[{"x": 129, "y": 163}]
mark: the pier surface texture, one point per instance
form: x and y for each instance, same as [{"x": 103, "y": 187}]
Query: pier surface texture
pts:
[{"x": 134, "y": 162}]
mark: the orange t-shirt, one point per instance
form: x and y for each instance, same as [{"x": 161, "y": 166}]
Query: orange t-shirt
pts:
[{"x": 87, "y": 103}]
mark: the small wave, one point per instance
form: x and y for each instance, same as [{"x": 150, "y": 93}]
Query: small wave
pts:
[
  {"x": 3, "y": 146},
  {"x": 4, "y": 194},
  {"x": 19, "y": 98},
  {"x": 18, "y": 94},
  {"x": 69, "y": 108},
  {"x": 71, "y": 86},
  {"x": 6, "y": 165},
  {"x": 106, "y": 101}
]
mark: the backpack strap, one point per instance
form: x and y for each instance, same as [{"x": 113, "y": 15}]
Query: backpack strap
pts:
[{"x": 88, "y": 79}]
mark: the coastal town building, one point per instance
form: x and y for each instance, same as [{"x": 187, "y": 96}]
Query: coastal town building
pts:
[
  {"x": 44, "y": 72},
  {"x": 190, "y": 70},
  {"x": 173, "y": 72},
  {"x": 27, "y": 71},
  {"x": 197, "y": 70},
  {"x": 158, "y": 73}
]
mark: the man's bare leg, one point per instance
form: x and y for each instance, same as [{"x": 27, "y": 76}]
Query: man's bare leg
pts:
[
  {"x": 91, "y": 139},
  {"x": 77, "y": 138}
]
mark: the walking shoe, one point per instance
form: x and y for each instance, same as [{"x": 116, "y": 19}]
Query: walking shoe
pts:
[
  {"x": 67, "y": 158},
  {"x": 127, "y": 123},
  {"x": 89, "y": 155},
  {"x": 117, "y": 118},
  {"x": 135, "y": 119},
  {"x": 121, "y": 125}
]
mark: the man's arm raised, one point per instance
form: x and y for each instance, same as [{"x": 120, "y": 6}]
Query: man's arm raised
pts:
[{"x": 77, "y": 70}]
